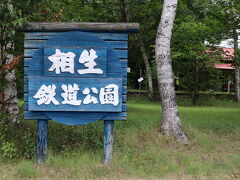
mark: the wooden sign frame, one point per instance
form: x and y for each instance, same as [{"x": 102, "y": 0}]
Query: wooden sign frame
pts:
[{"x": 83, "y": 57}]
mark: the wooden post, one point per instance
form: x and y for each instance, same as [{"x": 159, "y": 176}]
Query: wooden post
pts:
[
  {"x": 108, "y": 141},
  {"x": 42, "y": 128}
]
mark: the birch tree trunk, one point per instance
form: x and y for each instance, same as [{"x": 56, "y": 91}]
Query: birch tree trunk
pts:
[
  {"x": 10, "y": 94},
  {"x": 237, "y": 78},
  {"x": 8, "y": 75},
  {"x": 8, "y": 81},
  {"x": 171, "y": 125},
  {"x": 148, "y": 69}
]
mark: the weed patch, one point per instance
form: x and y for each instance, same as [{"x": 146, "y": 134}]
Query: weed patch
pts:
[{"x": 140, "y": 150}]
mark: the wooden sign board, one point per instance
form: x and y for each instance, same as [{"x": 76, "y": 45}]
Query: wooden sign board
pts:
[
  {"x": 75, "y": 73},
  {"x": 75, "y": 94},
  {"x": 111, "y": 52}
]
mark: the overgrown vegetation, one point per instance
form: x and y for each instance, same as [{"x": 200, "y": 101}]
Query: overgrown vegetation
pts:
[
  {"x": 16, "y": 141},
  {"x": 196, "y": 22},
  {"x": 140, "y": 151}
]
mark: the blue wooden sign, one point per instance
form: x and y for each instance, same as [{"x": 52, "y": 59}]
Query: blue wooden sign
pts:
[
  {"x": 75, "y": 94},
  {"x": 65, "y": 55},
  {"x": 76, "y": 73}
]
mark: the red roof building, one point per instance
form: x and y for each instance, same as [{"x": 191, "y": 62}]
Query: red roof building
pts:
[
  {"x": 227, "y": 56},
  {"x": 226, "y": 66}
]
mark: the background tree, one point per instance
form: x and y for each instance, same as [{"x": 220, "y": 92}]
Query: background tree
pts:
[
  {"x": 171, "y": 124},
  {"x": 141, "y": 11},
  {"x": 196, "y": 21},
  {"x": 190, "y": 58},
  {"x": 10, "y": 18},
  {"x": 14, "y": 14},
  {"x": 144, "y": 13},
  {"x": 228, "y": 13},
  {"x": 148, "y": 69}
]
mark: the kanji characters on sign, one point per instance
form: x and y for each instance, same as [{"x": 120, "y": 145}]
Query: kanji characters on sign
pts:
[
  {"x": 107, "y": 95},
  {"x": 64, "y": 62},
  {"x": 78, "y": 79},
  {"x": 70, "y": 94},
  {"x": 87, "y": 58},
  {"x": 90, "y": 98},
  {"x": 45, "y": 95}
]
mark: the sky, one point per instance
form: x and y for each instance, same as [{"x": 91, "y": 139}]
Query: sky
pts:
[{"x": 228, "y": 43}]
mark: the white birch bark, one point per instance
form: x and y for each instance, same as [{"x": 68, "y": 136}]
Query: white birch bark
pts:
[
  {"x": 148, "y": 69},
  {"x": 10, "y": 93},
  {"x": 171, "y": 125},
  {"x": 10, "y": 104}
]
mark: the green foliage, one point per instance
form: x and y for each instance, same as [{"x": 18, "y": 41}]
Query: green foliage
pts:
[
  {"x": 146, "y": 13},
  {"x": 16, "y": 141},
  {"x": 11, "y": 17},
  {"x": 14, "y": 15},
  {"x": 91, "y": 11},
  {"x": 237, "y": 57},
  {"x": 191, "y": 62},
  {"x": 196, "y": 21},
  {"x": 72, "y": 137},
  {"x": 8, "y": 150}
]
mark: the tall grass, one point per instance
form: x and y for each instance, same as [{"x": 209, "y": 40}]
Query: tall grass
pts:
[{"x": 140, "y": 151}]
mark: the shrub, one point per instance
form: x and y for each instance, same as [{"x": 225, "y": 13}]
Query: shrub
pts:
[{"x": 16, "y": 141}]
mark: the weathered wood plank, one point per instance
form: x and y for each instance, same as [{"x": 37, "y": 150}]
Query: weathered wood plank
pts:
[
  {"x": 109, "y": 116},
  {"x": 108, "y": 141},
  {"x": 34, "y": 115},
  {"x": 42, "y": 130},
  {"x": 48, "y": 35},
  {"x": 88, "y": 27},
  {"x": 33, "y": 44},
  {"x": 112, "y": 36},
  {"x": 36, "y": 72},
  {"x": 34, "y": 52},
  {"x": 26, "y": 82},
  {"x": 124, "y": 107},
  {"x": 39, "y": 67},
  {"x": 115, "y": 116}
]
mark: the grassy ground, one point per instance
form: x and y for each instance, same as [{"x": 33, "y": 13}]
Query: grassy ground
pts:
[{"x": 140, "y": 151}]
